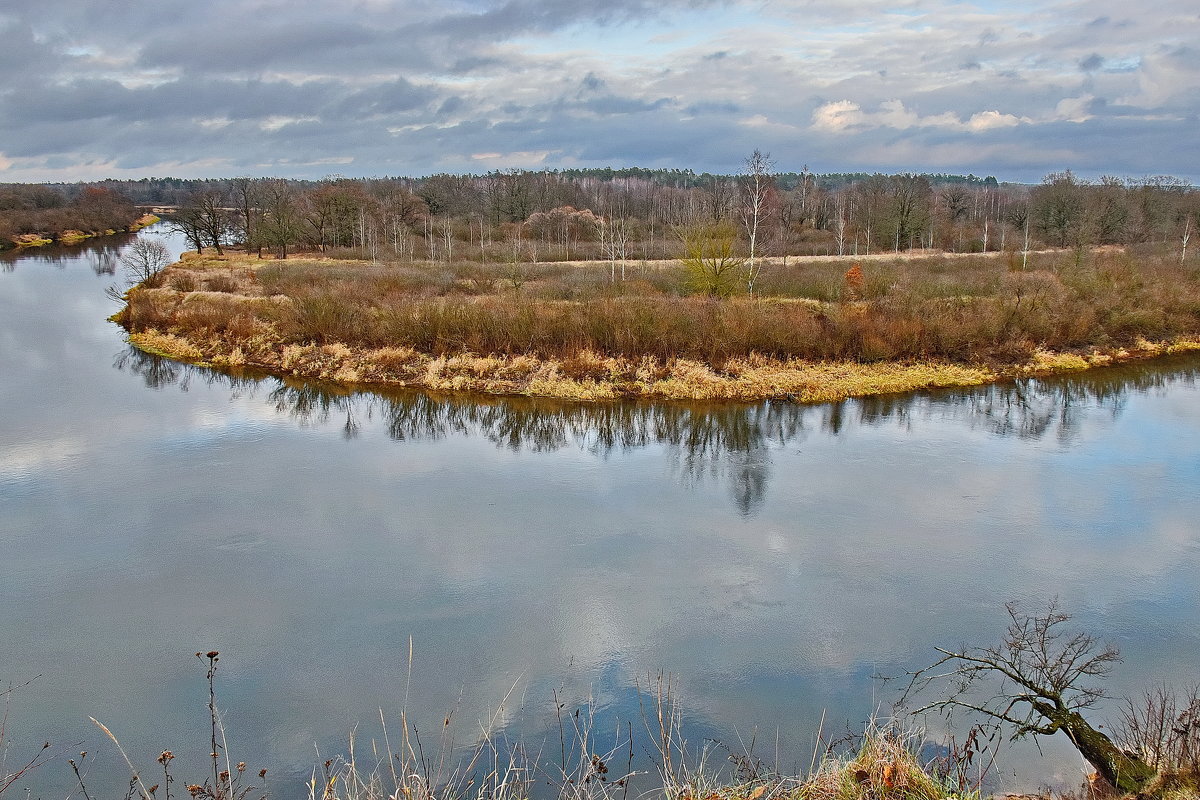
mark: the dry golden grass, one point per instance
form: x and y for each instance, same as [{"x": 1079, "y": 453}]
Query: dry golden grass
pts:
[{"x": 567, "y": 332}]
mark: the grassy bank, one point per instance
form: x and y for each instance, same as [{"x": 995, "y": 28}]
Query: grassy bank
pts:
[
  {"x": 75, "y": 236},
  {"x": 813, "y": 331}
]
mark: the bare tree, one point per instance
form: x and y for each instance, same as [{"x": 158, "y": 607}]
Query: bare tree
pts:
[
  {"x": 1036, "y": 681},
  {"x": 446, "y": 229},
  {"x": 614, "y": 240},
  {"x": 144, "y": 259},
  {"x": 143, "y": 262},
  {"x": 204, "y": 220},
  {"x": 757, "y": 188},
  {"x": 247, "y": 199},
  {"x": 718, "y": 197},
  {"x": 840, "y": 223},
  {"x": 282, "y": 223},
  {"x": 1187, "y": 235}
]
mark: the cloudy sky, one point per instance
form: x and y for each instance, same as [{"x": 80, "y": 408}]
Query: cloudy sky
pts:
[{"x": 133, "y": 88}]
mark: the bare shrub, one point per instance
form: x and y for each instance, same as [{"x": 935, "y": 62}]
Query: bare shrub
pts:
[
  {"x": 145, "y": 259},
  {"x": 1163, "y": 728}
]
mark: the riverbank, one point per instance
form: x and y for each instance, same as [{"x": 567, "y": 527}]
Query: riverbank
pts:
[
  {"x": 816, "y": 332},
  {"x": 74, "y": 236}
]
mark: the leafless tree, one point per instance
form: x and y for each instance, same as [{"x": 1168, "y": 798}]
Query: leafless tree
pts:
[
  {"x": 1187, "y": 235},
  {"x": 144, "y": 259},
  {"x": 446, "y": 229},
  {"x": 204, "y": 220},
  {"x": 757, "y": 188},
  {"x": 614, "y": 240},
  {"x": 282, "y": 223},
  {"x": 1036, "y": 681},
  {"x": 840, "y": 222},
  {"x": 246, "y": 198}
]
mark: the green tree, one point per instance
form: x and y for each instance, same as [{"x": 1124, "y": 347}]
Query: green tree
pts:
[{"x": 709, "y": 259}]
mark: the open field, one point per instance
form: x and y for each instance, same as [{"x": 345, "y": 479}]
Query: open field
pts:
[{"x": 813, "y": 331}]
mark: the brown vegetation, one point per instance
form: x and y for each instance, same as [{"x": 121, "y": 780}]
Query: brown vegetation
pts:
[
  {"x": 812, "y": 333},
  {"x": 32, "y": 216}
]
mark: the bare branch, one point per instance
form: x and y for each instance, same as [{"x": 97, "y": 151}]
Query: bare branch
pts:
[{"x": 1034, "y": 682}]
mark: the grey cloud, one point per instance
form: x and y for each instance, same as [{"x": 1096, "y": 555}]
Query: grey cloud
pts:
[
  {"x": 474, "y": 64},
  {"x": 450, "y": 105},
  {"x": 292, "y": 44},
  {"x": 615, "y": 105},
  {"x": 21, "y": 52},
  {"x": 270, "y": 86},
  {"x": 712, "y": 108},
  {"x": 522, "y": 16},
  {"x": 592, "y": 82},
  {"x": 394, "y": 96}
]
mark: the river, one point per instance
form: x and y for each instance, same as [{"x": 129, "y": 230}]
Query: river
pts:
[{"x": 772, "y": 559}]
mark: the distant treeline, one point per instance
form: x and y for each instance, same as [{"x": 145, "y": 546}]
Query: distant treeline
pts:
[
  {"x": 637, "y": 213},
  {"x": 173, "y": 191}
]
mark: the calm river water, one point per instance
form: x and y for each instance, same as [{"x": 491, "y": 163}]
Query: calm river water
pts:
[{"x": 772, "y": 558}]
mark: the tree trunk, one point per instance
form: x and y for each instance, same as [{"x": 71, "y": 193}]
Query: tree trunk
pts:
[{"x": 1127, "y": 773}]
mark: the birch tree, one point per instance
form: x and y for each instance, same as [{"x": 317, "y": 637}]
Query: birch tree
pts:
[
  {"x": 1187, "y": 235},
  {"x": 757, "y": 189}
]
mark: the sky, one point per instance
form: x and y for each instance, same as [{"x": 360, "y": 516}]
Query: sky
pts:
[{"x": 361, "y": 88}]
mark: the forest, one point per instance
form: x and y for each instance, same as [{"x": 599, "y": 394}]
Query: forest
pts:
[
  {"x": 35, "y": 214},
  {"x": 633, "y": 213}
]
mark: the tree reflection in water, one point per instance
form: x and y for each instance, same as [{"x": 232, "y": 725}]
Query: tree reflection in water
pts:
[{"x": 726, "y": 442}]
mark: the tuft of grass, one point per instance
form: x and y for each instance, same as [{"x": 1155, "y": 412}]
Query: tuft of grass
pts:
[{"x": 886, "y": 765}]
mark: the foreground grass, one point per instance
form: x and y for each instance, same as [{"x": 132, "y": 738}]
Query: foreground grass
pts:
[
  {"x": 584, "y": 758},
  {"x": 567, "y": 331},
  {"x": 885, "y": 765}
]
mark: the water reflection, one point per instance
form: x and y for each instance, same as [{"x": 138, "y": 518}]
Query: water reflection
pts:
[
  {"x": 101, "y": 254},
  {"x": 730, "y": 442},
  {"x": 773, "y": 556}
]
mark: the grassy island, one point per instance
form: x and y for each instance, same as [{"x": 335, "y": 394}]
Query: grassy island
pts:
[
  {"x": 815, "y": 329},
  {"x": 38, "y": 215}
]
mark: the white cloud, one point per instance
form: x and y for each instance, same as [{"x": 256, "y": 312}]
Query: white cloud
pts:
[
  {"x": 274, "y": 123},
  {"x": 846, "y": 115},
  {"x": 990, "y": 120},
  {"x": 403, "y": 90},
  {"x": 1074, "y": 109},
  {"x": 838, "y": 116}
]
